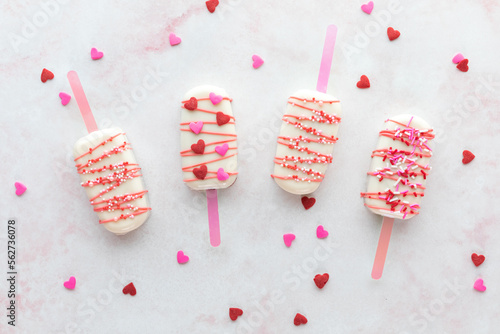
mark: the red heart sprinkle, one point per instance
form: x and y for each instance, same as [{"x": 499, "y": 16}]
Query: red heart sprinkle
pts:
[
  {"x": 222, "y": 118},
  {"x": 392, "y": 34},
  {"x": 234, "y": 313},
  {"x": 364, "y": 82},
  {"x": 199, "y": 147},
  {"x": 46, "y": 75},
  {"x": 200, "y": 172},
  {"x": 191, "y": 104},
  {"x": 129, "y": 289},
  {"x": 308, "y": 202},
  {"x": 211, "y": 4},
  {"x": 299, "y": 320},
  {"x": 477, "y": 259},
  {"x": 468, "y": 157},
  {"x": 321, "y": 280},
  {"x": 462, "y": 66}
]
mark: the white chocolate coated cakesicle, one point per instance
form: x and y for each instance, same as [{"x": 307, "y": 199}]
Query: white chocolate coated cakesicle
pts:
[
  {"x": 399, "y": 168},
  {"x": 208, "y": 139},
  {"x": 112, "y": 179},
  {"x": 306, "y": 140}
]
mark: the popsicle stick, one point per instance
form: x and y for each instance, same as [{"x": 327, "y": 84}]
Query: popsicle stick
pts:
[
  {"x": 383, "y": 245},
  {"x": 213, "y": 217},
  {"x": 81, "y": 99},
  {"x": 326, "y": 59}
]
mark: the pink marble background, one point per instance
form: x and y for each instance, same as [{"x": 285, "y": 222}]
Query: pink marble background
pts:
[{"x": 428, "y": 280}]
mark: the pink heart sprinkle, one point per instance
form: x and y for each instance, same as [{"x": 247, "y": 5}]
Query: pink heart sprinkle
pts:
[
  {"x": 222, "y": 149},
  {"x": 96, "y": 54},
  {"x": 174, "y": 39},
  {"x": 196, "y": 127},
  {"x": 321, "y": 233},
  {"x": 257, "y": 61},
  {"x": 367, "y": 8},
  {"x": 222, "y": 175},
  {"x": 181, "y": 258},
  {"x": 479, "y": 285},
  {"x": 288, "y": 238},
  {"x": 70, "y": 284},
  {"x": 20, "y": 188},
  {"x": 458, "y": 58},
  {"x": 65, "y": 98},
  {"x": 215, "y": 98}
]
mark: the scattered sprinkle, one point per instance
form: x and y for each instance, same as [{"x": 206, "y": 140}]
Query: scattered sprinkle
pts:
[
  {"x": 479, "y": 285},
  {"x": 308, "y": 202},
  {"x": 234, "y": 313},
  {"x": 20, "y": 188},
  {"x": 367, "y": 8},
  {"x": 129, "y": 289},
  {"x": 211, "y": 5},
  {"x": 463, "y": 65},
  {"x": 299, "y": 320},
  {"x": 288, "y": 238},
  {"x": 65, "y": 98},
  {"x": 477, "y": 259},
  {"x": 392, "y": 33},
  {"x": 70, "y": 284},
  {"x": 46, "y": 75},
  {"x": 95, "y": 54},
  {"x": 458, "y": 58},
  {"x": 257, "y": 61},
  {"x": 181, "y": 257},
  {"x": 363, "y": 82},
  {"x": 468, "y": 156},
  {"x": 174, "y": 39},
  {"x": 321, "y": 280},
  {"x": 321, "y": 233}
]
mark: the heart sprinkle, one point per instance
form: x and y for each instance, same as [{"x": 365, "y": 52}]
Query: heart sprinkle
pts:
[
  {"x": 479, "y": 285},
  {"x": 20, "y": 188},
  {"x": 458, "y": 58},
  {"x": 392, "y": 33},
  {"x": 463, "y": 65},
  {"x": 288, "y": 238},
  {"x": 95, "y": 54},
  {"x": 222, "y": 149},
  {"x": 200, "y": 172},
  {"x": 308, "y": 202},
  {"x": 46, "y": 75},
  {"x": 216, "y": 99},
  {"x": 196, "y": 127},
  {"x": 222, "y": 175},
  {"x": 321, "y": 233},
  {"x": 299, "y": 320},
  {"x": 467, "y": 157},
  {"x": 70, "y": 284},
  {"x": 321, "y": 280},
  {"x": 222, "y": 118},
  {"x": 367, "y": 8},
  {"x": 174, "y": 39},
  {"x": 199, "y": 147},
  {"x": 211, "y": 5},
  {"x": 181, "y": 258},
  {"x": 129, "y": 289},
  {"x": 477, "y": 259},
  {"x": 65, "y": 98},
  {"x": 191, "y": 104},
  {"x": 234, "y": 313},
  {"x": 257, "y": 61},
  {"x": 363, "y": 82}
]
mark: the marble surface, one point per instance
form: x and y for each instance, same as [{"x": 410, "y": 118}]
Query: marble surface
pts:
[{"x": 427, "y": 285}]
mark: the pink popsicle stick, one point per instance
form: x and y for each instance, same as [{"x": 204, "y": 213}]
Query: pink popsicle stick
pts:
[
  {"x": 326, "y": 59},
  {"x": 383, "y": 245},
  {"x": 213, "y": 217},
  {"x": 81, "y": 99}
]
